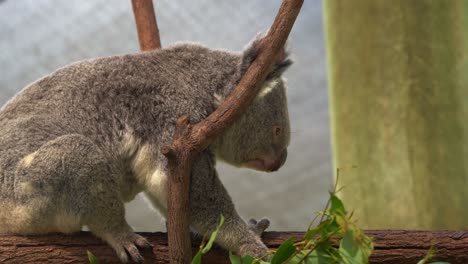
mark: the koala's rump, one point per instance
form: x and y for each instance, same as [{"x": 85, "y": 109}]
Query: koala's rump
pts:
[{"x": 28, "y": 200}]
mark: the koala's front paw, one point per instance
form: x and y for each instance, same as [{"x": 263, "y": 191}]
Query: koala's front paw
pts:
[
  {"x": 128, "y": 246},
  {"x": 254, "y": 247},
  {"x": 252, "y": 244},
  {"x": 258, "y": 227}
]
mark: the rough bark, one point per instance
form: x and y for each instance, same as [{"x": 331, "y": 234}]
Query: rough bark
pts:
[
  {"x": 180, "y": 165},
  {"x": 391, "y": 246},
  {"x": 190, "y": 140},
  {"x": 147, "y": 27}
]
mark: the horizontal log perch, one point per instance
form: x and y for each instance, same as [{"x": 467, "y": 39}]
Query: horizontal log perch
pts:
[{"x": 391, "y": 246}]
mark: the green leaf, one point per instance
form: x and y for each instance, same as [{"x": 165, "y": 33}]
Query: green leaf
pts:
[
  {"x": 317, "y": 256},
  {"x": 213, "y": 236},
  {"x": 203, "y": 250},
  {"x": 343, "y": 222},
  {"x": 247, "y": 259},
  {"x": 234, "y": 259},
  {"x": 330, "y": 227},
  {"x": 429, "y": 255},
  {"x": 336, "y": 205},
  {"x": 284, "y": 251},
  {"x": 325, "y": 227},
  {"x": 355, "y": 247},
  {"x": 351, "y": 249},
  {"x": 334, "y": 254},
  {"x": 198, "y": 257},
  {"x": 311, "y": 233},
  {"x": 92, "y": 259}
]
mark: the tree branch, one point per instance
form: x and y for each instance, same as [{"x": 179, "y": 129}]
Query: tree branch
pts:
[
  {"x": 145, "y": 19},
  {"x": 189, "y": 141}
]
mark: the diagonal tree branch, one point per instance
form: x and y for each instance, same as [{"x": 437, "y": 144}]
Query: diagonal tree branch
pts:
[{"x": 190, "y": 140}]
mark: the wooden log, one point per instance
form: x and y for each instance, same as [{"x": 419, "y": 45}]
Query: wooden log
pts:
[{"x": 391, "y": 246}]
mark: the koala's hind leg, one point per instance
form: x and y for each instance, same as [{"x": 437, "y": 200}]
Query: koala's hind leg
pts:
[
  {"x": 81, "y": 189},
  {"x": 209, "y": 199}
]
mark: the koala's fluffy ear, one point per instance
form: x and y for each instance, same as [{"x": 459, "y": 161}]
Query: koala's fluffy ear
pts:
[
  {"x": 251, "y": 51},
  {"x": 281, "y": 65}
]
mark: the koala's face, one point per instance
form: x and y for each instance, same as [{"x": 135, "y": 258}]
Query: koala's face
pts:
[{"x": 259, "y": 139}]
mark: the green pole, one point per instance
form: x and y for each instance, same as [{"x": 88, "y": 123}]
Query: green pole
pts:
[{"x": 398, "y": 84}]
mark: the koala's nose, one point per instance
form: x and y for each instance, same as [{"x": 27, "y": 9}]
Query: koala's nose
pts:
[{"x": 280, "y": 161}]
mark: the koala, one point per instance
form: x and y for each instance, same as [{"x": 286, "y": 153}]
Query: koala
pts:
[{"x": 80, "y": 142}]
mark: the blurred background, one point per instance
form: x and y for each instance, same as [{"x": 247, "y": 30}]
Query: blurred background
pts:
[{"x": 38, "y": 36}]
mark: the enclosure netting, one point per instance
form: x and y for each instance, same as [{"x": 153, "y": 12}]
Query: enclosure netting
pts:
[{"x": 38, "y": 36}]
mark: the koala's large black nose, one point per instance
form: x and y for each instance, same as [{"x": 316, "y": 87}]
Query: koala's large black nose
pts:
[{"x": 280, "y": 161}]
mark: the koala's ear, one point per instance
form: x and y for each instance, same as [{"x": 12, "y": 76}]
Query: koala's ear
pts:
[
  {"x": 281, "y": 65},
  {"x": 249, "y": 54}
]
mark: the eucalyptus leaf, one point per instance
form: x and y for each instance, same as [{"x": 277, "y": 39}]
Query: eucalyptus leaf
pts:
[
  {"x": 198, "y": 257},
  {"x": 92, "y": 259},
  {"x": 351, "y": 249},
  {"x": 213, "y": 236},
  {"x": 330, "y": 227},
  {"x": 247, "y": 260},
  {"x": 336, "y": 205},
  {"x": 234, "y": 259},
  {"x": 314, "y": 257},
  {"x": 284, "y": 251},
  {"x": 309, "y": 235},
  {"x": 429, "y": 255}
]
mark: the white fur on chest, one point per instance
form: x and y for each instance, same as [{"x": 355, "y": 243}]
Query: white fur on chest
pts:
[
  {"x": 149, "y": 174},
  {"x": 157, "y": 190}
]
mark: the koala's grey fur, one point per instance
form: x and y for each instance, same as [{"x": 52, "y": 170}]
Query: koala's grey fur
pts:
[{"x": 78, "y": 143}]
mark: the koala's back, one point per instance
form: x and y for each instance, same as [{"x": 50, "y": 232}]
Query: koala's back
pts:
[{"x": 104, "y": 98}]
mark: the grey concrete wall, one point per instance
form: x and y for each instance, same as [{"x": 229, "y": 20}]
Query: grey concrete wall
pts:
[{"x": 38, "y": 36}]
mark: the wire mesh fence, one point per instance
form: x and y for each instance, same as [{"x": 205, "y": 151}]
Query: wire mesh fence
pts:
[{"x": 39, "y": 36}]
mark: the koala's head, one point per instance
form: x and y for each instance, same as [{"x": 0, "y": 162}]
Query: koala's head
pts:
[{"x": 260, "y": 137}]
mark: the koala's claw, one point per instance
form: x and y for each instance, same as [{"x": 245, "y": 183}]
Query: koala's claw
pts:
[
  {"x": 141, "y": 242},
  {"x": 258, "y": 227},
  {"x": 129, "y": 248},
  {"x": 132, "y": 250}
]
